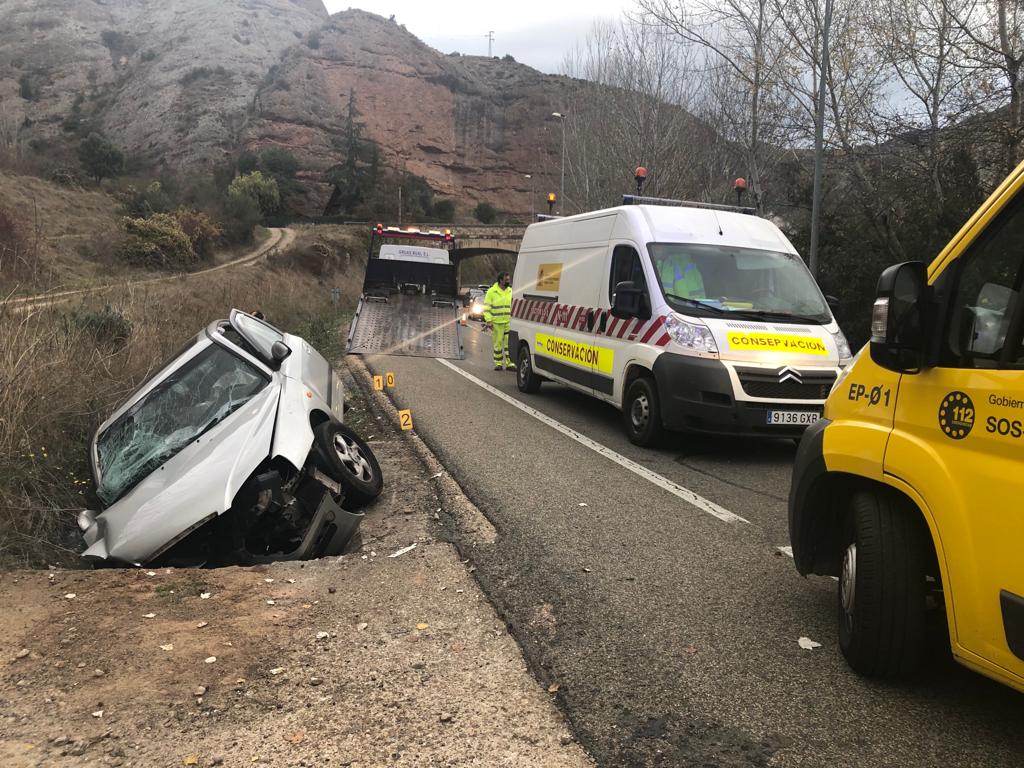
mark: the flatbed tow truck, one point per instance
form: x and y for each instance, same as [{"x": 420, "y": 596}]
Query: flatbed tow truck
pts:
[{"x": 409, "y": 303}]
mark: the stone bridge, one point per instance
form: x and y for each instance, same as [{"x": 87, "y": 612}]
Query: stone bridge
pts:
[{"x": 479, "y": 239}]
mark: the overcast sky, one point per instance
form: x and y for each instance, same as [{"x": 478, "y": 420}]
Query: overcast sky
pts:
[{"x": 535, "y": 32}]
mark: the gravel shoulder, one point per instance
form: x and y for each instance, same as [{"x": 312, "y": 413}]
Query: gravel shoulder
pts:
[{"x": 363, "y": 660}]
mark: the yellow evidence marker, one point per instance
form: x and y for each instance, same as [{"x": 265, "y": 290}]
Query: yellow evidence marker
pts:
[
  {"x": 378, "y": 383},
  {"x": 405, "y": 419},
  {"x": 390, "y": 380}
]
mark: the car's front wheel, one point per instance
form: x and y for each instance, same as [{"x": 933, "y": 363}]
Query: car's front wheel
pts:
[
  {"x": 882, "y": 586},
  {"x": 347, "y": 459}
]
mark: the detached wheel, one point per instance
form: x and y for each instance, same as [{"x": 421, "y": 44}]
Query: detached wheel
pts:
[
  {"x": 526, "y": 379},
  {"x": 882, "y": 587},
  {"x": 641, "y": 410},
  {"x": 347, "y": 459}
]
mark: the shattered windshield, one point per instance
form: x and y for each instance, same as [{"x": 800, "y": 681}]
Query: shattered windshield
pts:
[
  {"x": 194, "y": 398},
  {"x": 713, "y": 280}
]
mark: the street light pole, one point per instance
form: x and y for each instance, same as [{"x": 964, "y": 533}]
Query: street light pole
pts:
[
  {"x": 561, "y": 193},
  {"x": 533, "y": 199}
]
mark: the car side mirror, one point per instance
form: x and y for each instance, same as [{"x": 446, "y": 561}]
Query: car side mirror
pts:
[
  {"x": 900, "y": 318},
  {"x": 832, "y": 301},
  {"x": 626, "y": 300},
  {"x": 280, "y": 351}
]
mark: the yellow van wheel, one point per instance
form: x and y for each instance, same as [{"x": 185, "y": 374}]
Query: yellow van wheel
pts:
[{"x": 882, "y": 587}]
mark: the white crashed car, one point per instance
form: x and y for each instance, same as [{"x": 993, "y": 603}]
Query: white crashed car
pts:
[{"x": 234, "y": 452}]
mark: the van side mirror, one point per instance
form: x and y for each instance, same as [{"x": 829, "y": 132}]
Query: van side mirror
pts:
[
  {"x": 900, "y": 318},
  {"x": 626, "y": 300}
]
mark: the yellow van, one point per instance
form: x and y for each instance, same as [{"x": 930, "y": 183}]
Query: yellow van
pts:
[{"x": 910, "y": 489}]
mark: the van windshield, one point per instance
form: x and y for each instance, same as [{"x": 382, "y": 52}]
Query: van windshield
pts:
[{"x": 710, "y": 280}]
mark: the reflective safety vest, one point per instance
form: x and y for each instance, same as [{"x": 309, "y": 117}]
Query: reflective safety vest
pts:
[
  {"x": 498, "y": 305},
  {"x": 681, "y": 277}
]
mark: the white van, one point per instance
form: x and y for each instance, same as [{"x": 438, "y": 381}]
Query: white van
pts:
[{"x": 688, "y": 317}]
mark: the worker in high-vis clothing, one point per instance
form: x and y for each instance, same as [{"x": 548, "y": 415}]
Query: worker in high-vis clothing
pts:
[
  {"x": 680, "y": 276},
  {"x": 497, "y": 316}
]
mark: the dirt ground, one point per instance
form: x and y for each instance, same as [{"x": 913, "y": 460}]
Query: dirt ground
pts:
[{"x": 370, "y": 659}]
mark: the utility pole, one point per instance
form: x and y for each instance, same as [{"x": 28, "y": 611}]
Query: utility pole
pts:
[
  {"x": 399, "y": 204},
  {"x": 561, "y": 192},
  {"x": 819, "y": 141},
  {"x": 490, "y": 43},
  {"x": 533, "y": 207}
]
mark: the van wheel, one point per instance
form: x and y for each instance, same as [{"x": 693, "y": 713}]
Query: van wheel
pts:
[
  {"x": 527, "y": 380},
  {"x": 642, "y": 413},
  {"x": 882, "y": 587}
]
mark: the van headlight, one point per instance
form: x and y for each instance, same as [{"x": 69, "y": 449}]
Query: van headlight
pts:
[
  {"x": 695, "y": 336},
  {"x": 845, "y": 353}
]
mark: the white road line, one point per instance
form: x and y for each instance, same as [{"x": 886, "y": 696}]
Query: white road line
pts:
[{"x": 698, "y": 501}]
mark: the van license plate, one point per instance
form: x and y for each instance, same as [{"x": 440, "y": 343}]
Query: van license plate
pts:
[{"x": 793, "y": 418}]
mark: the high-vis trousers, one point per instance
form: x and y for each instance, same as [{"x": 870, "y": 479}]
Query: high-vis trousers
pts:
[{"x": 499, "y": 337}]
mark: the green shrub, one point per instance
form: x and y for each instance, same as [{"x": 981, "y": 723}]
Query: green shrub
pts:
[
  {"x": 146, "y": 202},
  {"x": 241, "y": 214},
  {"x": 108, "y": 327},
  {"x": 444, "y": 210},
  {"x": 247, "y": 162},
  {"x": 261, "y": 189},
  {"x": 157, "y": 242},
  {"x": 99, "y": 157},
  {"x": 485, "y": 213},
  {"x": 28, "y": 87},
  {"x": 202, "y": 231}
]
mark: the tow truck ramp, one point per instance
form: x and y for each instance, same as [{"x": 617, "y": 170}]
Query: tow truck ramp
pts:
[
  {"x": 407, "y": 308},
  {"x": 405, "y": 325}
]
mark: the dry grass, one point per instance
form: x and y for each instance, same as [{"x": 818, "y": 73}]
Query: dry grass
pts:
[
  {"x": 62, "y": 370},
  {"x": 73, "y": 231}
]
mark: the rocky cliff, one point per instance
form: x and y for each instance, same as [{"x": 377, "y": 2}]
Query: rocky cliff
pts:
[
  {"x": 472, "y": 126},
  {"x": 169, "y": 81},
  {"x": 187, "y": 83}
]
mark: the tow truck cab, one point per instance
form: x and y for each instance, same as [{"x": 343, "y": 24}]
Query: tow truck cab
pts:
[{"x": 908, "y": 489}]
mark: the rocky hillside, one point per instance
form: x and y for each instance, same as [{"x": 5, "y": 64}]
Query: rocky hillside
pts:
[
  {"x": 472, "y": 126},
  {"x": 188, "y": 83},
  {"x": 169, "y": 81}
]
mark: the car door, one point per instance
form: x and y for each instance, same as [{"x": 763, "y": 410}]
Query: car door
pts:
[{"x": 958, "y": 435}]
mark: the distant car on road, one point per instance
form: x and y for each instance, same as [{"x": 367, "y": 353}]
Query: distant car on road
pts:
[{"x": 475, "y": 304}]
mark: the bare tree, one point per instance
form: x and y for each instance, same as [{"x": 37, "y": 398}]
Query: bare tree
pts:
[
  {"x": 628, "y": 108},
  {"x": 993, "y": 46},
  {"x": 808, "y": 24},
  {"x": 855, "y": 83},
  {"x": 923, "y": 46},
  {"x": 742, "y": 38}
]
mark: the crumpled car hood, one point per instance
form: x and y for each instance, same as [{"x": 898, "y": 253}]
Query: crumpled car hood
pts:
[{"x": 196, "y": 484}]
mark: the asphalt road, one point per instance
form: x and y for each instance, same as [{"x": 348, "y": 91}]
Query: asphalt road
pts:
[{"x": 668, "y": 635}]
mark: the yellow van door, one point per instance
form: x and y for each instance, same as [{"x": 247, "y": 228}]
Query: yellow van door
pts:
[{"x": 958, "y": 440}]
